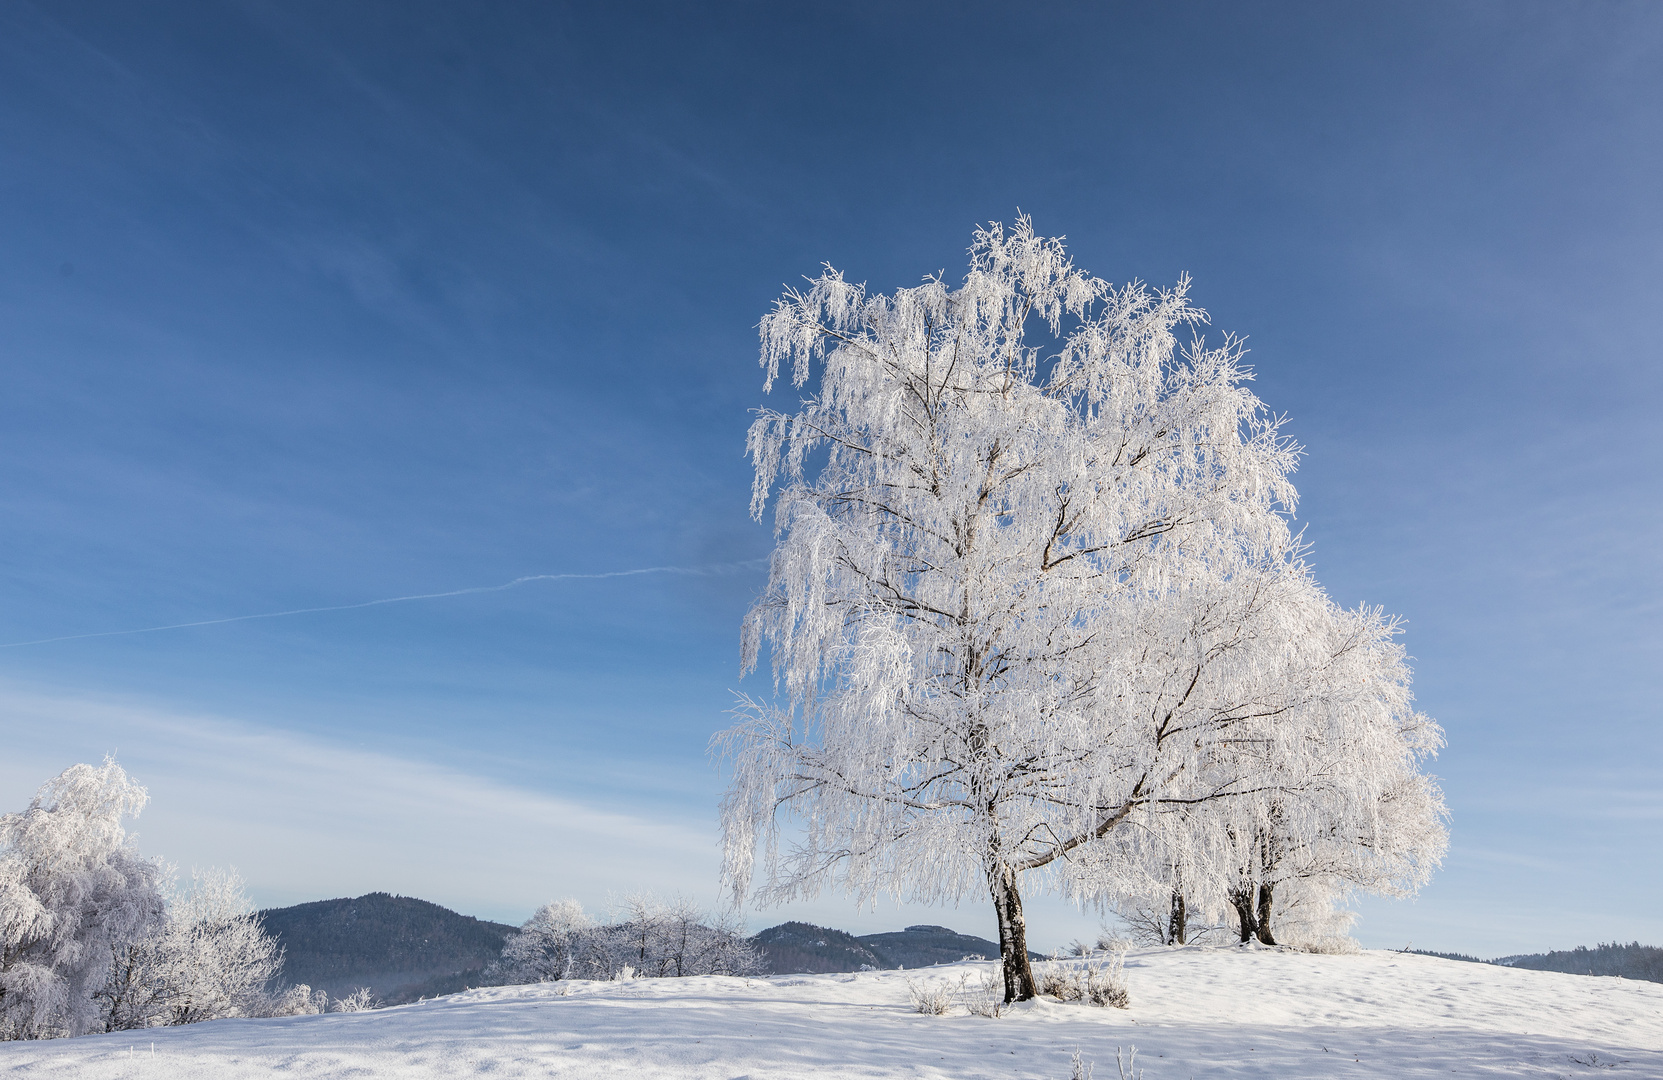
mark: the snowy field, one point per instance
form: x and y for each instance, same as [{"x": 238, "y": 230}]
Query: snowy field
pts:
[{"x": 1195, "y": 1013}]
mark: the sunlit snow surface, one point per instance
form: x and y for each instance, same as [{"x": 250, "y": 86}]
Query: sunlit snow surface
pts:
[{"x": 1195, "y": 1013}]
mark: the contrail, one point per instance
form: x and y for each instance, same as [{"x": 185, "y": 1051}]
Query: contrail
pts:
[{"x": 713, "y": 568}]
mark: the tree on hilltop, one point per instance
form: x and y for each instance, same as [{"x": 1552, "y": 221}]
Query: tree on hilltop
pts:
[{"x": 1033, "y": 581}]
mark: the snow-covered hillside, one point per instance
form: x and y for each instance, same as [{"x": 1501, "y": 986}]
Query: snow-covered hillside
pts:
[{"x": 1195, "y": 1013}]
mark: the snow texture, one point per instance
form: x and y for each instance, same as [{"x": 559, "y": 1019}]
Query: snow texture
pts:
[{"x": 1195, "y": 1012}]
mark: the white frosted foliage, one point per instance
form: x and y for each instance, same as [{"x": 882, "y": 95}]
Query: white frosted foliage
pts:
[
  {"x": 73, "y": 890},
  {"x": 647, "y": 937},
  {"x": 1034, "y": 611},
  {"x": 93, "y": 937}
]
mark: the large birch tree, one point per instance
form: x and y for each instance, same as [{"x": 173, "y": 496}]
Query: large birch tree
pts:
[{"x": 1033, "y": 578}]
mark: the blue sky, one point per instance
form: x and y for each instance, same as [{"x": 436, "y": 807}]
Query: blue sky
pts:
[{"x": 306, "y": 304}]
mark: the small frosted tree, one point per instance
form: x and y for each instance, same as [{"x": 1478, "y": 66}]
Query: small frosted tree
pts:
[
  {"x": 213, "y": 959},
  {"x": 73, "y": 893},
  {"x": 1377, "y": 827},
  {"x": 94, "y": 938},
  {"x": 648, "y": 936},
  {"x": 207, "y": 959},
  {"x": 671, "y": 937},
  {"x": 1032, "y": 579},
  {"x": 1340, "y": 806},
  {"x": 551, "y": 945}
]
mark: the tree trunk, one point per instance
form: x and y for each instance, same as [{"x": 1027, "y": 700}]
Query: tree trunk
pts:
[
  {"x": 1177, "y": 923},
  {"x": 1013, "y": 936},
  {"x": 1265, "y": 899},
  {"x": 1242, "y": 899}
]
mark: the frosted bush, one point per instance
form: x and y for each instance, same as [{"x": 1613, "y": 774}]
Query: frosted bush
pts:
[
  {"x": 986, "y": 997},
  {"x": 1081, "y": 1069},
  {"x": 297, "y": 1000},
  {"x": 931, "y": 999},
  {"x": 1104, "y": 942},
  {"x": 1094, "y": 982},
  {"x": 362, "y": 999},
  {"x": 1329, "y": 946}
]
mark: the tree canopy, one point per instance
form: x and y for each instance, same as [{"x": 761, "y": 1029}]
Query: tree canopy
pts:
[{"x": 1034, "y": 600}]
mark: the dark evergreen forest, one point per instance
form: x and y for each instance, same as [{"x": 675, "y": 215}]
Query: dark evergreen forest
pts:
[{"x": 1631, "y": 961}]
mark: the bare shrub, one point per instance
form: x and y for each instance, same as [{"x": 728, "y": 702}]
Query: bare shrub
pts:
[
  {"x": 1104, "y": 942},
  {"x": 362, "y": 999},
  {"x": 1127, "y": 1066},
  {"x": 986, "y": 997},
  {"x": 932, "y": 999},
  {"x": 1333, "y": 945},
  {"x": 297, "y": 1000},
  {"x": 1094, "y": 982}
]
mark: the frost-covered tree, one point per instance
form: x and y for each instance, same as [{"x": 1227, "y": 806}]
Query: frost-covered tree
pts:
[
  {"x": 647, "y": 937},
  {"x": 213, "y": 957},
  {"x": 1341, "y": 806},
  {"x": 73, "y": 892},
  {"x": 208, "y": 959},
  {"x": 93, "y": 937},
  {"x": 1316, "y": 847},
  {"x": 1033, "y": 581},
  {"x": 551, "y": 945},
  {"x": 1346, "y": 807},
  {"x": 672, "y": 937}
]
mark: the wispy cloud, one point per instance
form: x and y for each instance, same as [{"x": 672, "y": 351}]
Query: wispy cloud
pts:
[
  {"x": 697, "y": 571},
  {"x": 304, "y": 818}
]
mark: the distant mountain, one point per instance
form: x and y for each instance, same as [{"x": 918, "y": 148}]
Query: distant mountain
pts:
[
  {"x": 404, "y": 949},
  {"x": 803, "y": 947},
  {"x": 400, "y": 947},
  {"x": 921, "y": 946},
  {"x": 798, "y": 947}
]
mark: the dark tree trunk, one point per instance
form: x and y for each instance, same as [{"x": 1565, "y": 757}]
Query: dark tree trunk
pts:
[
  {"x": 1265, "y": 899},
  {"x": 1177, "y": 923},
  {"x": 1013, "y": 936},
  {"x": 1242, "y": 899}
]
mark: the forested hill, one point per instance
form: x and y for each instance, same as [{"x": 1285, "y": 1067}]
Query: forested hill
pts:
[
  {"x": 400, "y": 947},
  {"x": 404, "y": 949},
  {"x": 921, "y": 946},
  {"x": 1632, "y": 961},
  {"x": 803, "y": 948}
]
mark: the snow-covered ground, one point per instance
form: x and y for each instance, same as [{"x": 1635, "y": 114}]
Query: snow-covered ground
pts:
[{"x": 1195, "y": 1013}]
